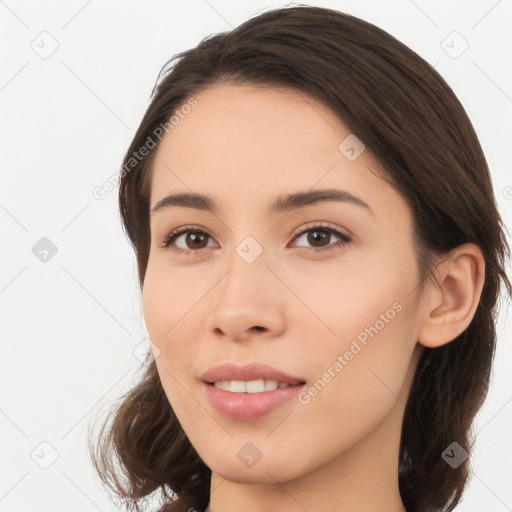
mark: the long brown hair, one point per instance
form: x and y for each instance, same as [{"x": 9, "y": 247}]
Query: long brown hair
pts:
[{"x": 412, "y": 123}]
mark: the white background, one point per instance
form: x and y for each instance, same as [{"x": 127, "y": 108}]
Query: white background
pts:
[{"x": 71, "y": 327}]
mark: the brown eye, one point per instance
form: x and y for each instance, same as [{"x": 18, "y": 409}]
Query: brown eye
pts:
[
  {"x": 319, "y": 237},
  {"x": 193, "y": 240}
]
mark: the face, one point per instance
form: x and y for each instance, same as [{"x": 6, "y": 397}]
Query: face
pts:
[{"x": 326, "y": 292}]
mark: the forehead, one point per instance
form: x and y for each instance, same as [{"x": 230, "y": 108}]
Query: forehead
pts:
[
  {"x": 252, "y": 121},
  {"x": 249, "y": 144}
]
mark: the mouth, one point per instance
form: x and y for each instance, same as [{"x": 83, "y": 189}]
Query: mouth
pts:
[
  {"x": 254, "y": 377},
  {"x": 253, "y": 386},
  {"x": 249, "y": 400}
]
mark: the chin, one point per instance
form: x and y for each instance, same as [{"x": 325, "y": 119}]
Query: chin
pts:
[{"x": 263, "y": 472}]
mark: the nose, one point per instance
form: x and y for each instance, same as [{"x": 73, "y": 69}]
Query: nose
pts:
[{"x": 249, "y": 299}]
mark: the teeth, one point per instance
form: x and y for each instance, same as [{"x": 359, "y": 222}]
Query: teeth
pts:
[{"x": 251, "y": 386}]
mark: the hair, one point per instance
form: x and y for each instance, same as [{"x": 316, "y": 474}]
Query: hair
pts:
[{"x": 423, "y": 143}]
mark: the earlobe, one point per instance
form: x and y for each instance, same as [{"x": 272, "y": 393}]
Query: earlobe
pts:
[{"x": 450, "y": 307}]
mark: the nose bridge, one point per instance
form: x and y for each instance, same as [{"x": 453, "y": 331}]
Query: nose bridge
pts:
[
  {"x": 242, "y": 299},
  {"x": 247, "y": 269}
]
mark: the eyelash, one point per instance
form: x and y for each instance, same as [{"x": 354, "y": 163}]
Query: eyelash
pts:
[{"x": 318, "y": 227}]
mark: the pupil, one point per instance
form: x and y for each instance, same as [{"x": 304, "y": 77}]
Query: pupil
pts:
[
  {"x": 194, "y": 235},
  {"x": 313, "y": 238}
]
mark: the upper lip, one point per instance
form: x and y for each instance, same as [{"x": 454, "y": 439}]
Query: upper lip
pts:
[{"x": 253, "y": 371}]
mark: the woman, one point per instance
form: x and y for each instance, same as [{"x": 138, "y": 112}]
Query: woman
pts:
[{"x": 320, "y": 257}]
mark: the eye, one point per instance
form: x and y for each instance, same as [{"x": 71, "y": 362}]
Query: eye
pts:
[
  {"x": 319, "y": 234},
  {"x": 193, "y": 236}
]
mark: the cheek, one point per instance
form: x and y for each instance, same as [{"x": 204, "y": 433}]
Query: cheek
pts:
[
  {"x": 355, "y": 386},
  {"x": 173, "y": 307},
  {"x": 162, "y": 313},
  {"x": 165, "y": 300},
  {"x": 154, "y": 303},
  {"x": 367, "y": 340},
  {"x": 343, "y": 300}
]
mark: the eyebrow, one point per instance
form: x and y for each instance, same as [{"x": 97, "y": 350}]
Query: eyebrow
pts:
[{"x": 284, "y": 203}]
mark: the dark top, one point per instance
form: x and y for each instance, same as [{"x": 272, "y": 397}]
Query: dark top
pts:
[{"x": 167, "y": 507}]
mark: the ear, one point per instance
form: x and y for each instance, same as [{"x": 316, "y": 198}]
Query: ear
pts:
[{"x": 451, "y": 304}]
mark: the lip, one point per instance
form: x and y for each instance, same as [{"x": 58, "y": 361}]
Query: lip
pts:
[
  {"x": 248, "y": 406},
  {"x": 252, "y": 371}
]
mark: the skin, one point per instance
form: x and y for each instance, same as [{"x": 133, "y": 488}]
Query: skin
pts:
[{"x": 243, "y": 146}]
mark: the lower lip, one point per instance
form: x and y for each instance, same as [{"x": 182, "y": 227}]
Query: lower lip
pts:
[{"x": 248, "y": 406}]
